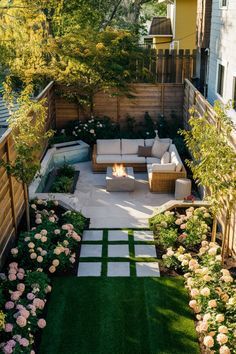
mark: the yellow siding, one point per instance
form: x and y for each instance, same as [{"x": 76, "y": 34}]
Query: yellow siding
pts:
[
  {"x": 160, "y": 42},
  {"x": 185, "y": 23}
]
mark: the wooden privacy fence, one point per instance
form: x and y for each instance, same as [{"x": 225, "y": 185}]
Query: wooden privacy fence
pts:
[
  {"x": 12, "y": 199},
  {"x": 152, "y": 98},
  {"x": 193, "y": 98},
  {"x": 165, "y": 66}
]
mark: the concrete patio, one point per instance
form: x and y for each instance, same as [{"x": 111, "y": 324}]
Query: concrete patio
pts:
[{"x": 111, "y": 209}]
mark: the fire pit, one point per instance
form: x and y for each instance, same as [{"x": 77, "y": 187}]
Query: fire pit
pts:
[{"x": 120, "y": 179}]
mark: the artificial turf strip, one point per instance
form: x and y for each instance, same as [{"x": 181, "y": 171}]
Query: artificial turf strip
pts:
[{"x": 119, "y": 316}]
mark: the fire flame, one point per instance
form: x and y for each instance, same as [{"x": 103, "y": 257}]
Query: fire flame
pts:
[{"x": 119, "y": 170}]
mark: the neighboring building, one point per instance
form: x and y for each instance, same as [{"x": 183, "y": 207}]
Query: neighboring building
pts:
[
  {"x": 222, "y": 60},
  {"x": 204, "y": 10},
  {"x": 160, "y": 33},
  {"x": 177, "y": 30}
]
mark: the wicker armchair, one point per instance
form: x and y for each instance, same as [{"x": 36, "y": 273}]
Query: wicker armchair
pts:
[{"x": 164, "y": 182}]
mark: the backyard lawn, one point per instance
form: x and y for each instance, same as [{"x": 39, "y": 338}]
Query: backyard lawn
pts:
[{"x": 119, "y": 315}]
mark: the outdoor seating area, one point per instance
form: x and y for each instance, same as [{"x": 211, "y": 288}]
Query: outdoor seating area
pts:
[{"x": 117, "y": 177}]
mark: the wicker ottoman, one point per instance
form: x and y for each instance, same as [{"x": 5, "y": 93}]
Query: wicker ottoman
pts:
[{"x": 183, "y": 187}]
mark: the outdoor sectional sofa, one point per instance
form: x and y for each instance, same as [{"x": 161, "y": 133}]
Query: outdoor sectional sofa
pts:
[{"x": 161, "y": 176}]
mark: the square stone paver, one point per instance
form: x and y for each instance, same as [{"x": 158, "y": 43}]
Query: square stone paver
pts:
[
  {"x": 93, "y": 235},
  {"x": 91, "y": 250},
  {"x": 118, "y": 269},
  {"x": 89, "y": 269},
  {"x": 143, "y": 236},
  {"x": 118, "y": 250},
  {"x": 145, "y": 251},
  {"x": 148, "y": 269},
  {"x": 118, "y": 235}
]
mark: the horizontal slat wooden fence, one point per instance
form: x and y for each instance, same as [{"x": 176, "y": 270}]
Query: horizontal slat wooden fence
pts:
[
  {"x": 12, "y": 201},
  {"x": 193, "y": 98},
  {"x": 165, "y": 66},
  {"x": 152, "y": 98}
]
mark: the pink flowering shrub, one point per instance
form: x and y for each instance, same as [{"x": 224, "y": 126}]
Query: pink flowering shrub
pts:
[
  {"x": 172, "y": 229},
  {"x": 22, "y": 312},
  {"x": 213, "y": 295},
  {"x": 52, "y": 243},
  {"x": 50, "y": 246}
]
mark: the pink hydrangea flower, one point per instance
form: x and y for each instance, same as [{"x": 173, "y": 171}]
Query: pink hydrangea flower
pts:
[
  {"x": 13, "y": 265},
  {"x": 24, "y": 313},
  {"x": 9, "y": 305},
  {"x": 8, "y": 327},
  {"x": 12, "y": 277},
  {"x": 41, "y": 323},
  {"x": 21, "y": 287},
  {"x": 24, "y": 342},
  {"x": 21, "y": 321},
  {"x": 16, "y": 295},
  {"x": 30, "y": 296},
  {"x": 20, "y": 276},
  {"x": 38, "y": 303}
]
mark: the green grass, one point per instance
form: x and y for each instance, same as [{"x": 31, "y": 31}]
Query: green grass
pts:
[{"x": 119, "y": 316}]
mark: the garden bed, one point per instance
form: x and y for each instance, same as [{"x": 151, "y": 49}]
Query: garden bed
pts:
[
  {"x": 49, "y": 248},
  {"x": 53, "y": 178}
]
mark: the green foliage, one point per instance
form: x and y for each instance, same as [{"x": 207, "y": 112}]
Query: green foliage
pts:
[
  {"x": 62, "y": 184},
  {"x": 166, "y": 219},
  {"x": 28, "y": 134},
  {"x": 175, "y": 229},
  {"x": 167, "y": 237},
  {"x": 66, "y": 170},
  {"x": 214, "y": 160},
  {"x": 76, "y": 219}
]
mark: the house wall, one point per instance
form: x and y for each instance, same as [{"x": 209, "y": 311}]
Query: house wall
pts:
[
  {"x": 162, "y": 42},
  {"x": 185, "y": 23},
  {"x": 222, "y": 47}
]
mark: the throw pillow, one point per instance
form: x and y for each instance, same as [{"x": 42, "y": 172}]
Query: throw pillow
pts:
[
  {"x": 167, "y": 167},
  {"x": 144, "y": 151},
  {"x": 158, "y": 148},
  {"x": 165, "y": 158}
]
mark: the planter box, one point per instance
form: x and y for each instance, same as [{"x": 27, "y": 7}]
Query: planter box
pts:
[{"x": 51, "y": 178}]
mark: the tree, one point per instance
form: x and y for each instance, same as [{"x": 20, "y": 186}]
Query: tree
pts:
[
  {"x": 214, "y": 160},
  {"x": 28, "y": 131}
]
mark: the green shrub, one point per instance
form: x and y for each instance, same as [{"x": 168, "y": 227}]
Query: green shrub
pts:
[
  {"x": 62, "y": 184},
  {"x": 76, "y": 219},
  {"x": 66, "y": 170},
  {"x": 167, "y": 237},
  {"x": 162, "y": 220}
]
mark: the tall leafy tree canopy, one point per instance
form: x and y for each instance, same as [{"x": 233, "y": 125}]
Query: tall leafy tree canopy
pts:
[{"x": 89, "y": 44}]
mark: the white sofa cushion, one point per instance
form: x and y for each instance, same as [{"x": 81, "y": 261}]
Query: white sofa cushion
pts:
[
  {"x": 130, "y": 146},
  {"x": 165, "y": 158},
  {"x": 159, "y": 148},
  {"x": 132, "y": 159},
  {"x": 108, "y": 147},
  {"x": 175, "y": 158},
  {"x": 165, "y": 167},
  {"x": 108, "y": 158},
  {"x": 150, "y": 160},
  {"x": 149, "y": 142}
]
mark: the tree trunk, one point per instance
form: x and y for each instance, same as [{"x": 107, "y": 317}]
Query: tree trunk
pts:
[
  {"x": 27, "y": 211},
  {"x": 226, "y": 235},
  {"x": 214, "y": 229}
]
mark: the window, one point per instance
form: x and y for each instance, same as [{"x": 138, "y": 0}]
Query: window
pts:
[
  {"x": 234, "y": 93},
  {"x": 174, "y": 45},
  {"x": 223, "y": 4},
  {"x": 220, "y": 80}
]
